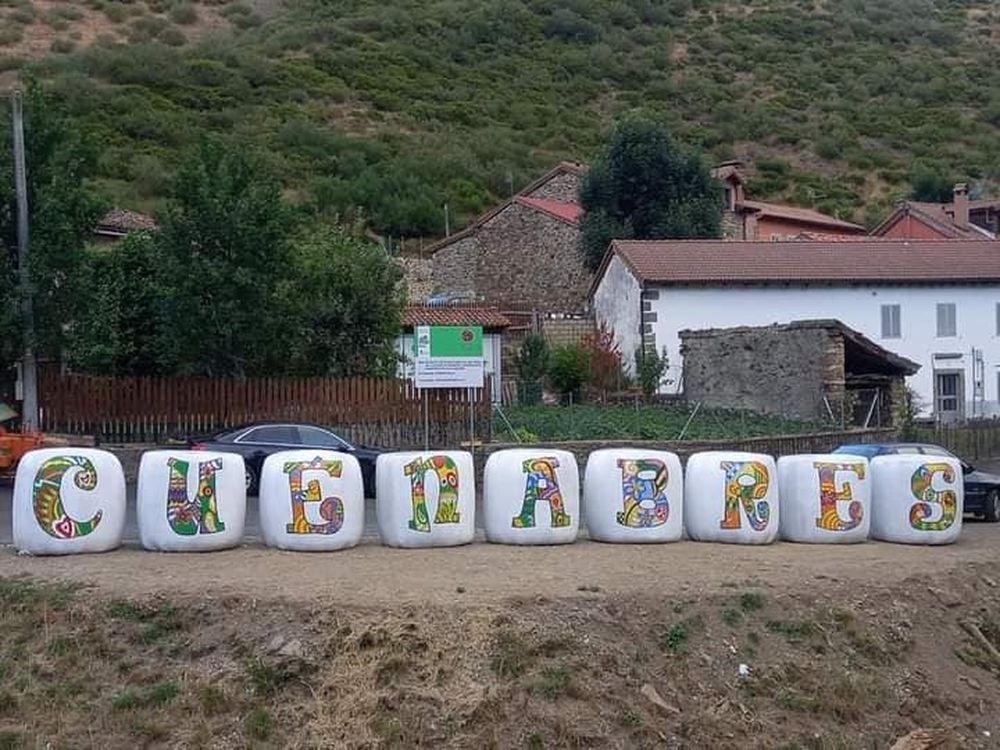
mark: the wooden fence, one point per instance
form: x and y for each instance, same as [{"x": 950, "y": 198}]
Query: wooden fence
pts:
[
  {"x": 972, "y": 440},
  {"x": 389, "y": 413}
]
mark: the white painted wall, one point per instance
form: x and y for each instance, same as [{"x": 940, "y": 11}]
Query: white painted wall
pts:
[
  {"x": 859, "y": 307},
  {"x": 492, "y": 353},
  {"x": 617, "y": 303}
]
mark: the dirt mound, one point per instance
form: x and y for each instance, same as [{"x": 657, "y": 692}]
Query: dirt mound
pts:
[{"x": 827, "y": 665}]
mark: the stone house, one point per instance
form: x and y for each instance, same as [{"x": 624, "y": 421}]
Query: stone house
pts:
[
  {"x": 522, "y": 253},
  {"x": 119, "y": 223},
  {"x": 745, "y": 219},
  {"x": 962, "y": 219},
  {"x": 807, "y": 369}
]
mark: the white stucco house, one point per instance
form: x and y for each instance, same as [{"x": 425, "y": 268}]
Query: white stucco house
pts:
[{"x": 934, "y": 302}]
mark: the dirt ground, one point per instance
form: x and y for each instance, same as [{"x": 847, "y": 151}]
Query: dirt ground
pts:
[{"x": 585, "y": 645}]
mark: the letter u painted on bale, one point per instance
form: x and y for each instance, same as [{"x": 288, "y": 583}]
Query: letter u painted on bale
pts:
[{"x": 190, "y": 501}]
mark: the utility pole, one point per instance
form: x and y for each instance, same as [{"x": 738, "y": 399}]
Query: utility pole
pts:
[
  {"x": 29, "y": 370},
  {"x": 447, "y": 222}
]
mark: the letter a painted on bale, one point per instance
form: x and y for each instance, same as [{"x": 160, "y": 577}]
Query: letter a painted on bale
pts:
[{"x": 541, "y": 485}]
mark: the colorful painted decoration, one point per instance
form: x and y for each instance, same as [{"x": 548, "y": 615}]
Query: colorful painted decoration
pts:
[
  {"x": 190, "y": 501},
  {"x": 67, "y": 501},
  {"x": 634, "y": 496},
  {"x": 917, "y": 499},
  {"x": 311, "y": 501},
  {"x": 426, "y": 499},
  {"x": 825, "y": 499},
  {"x": 531, "y": 497},
  {"x": 731, "y": 497}
]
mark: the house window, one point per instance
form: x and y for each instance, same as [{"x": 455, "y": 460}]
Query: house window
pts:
[
  {"x": 890, "y": 322},
  {"x": 946, "y": 323}
]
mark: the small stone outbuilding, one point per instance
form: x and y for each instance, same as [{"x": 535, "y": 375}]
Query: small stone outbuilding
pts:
[{"x": 807, "y": 369}]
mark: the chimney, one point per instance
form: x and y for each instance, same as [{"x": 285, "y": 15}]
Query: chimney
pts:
[{"x": 961, "y": 205}]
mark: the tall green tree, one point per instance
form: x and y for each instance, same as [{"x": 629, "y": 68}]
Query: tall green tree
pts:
[
  {"x": 225, "y": 253},
  {"x": 645, "y": 186},
  {"x": 344, "y": 302},
  {"x": 62, "y": 213}
]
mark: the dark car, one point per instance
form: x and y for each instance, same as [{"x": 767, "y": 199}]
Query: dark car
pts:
[
  {"x": 982, "y": 490},
  {"x": 255, "y": 442}
]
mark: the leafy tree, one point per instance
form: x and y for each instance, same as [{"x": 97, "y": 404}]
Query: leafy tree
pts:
[
  {"x": 645, "y": 186},
  {"x": 224, "y": 251},
  {"x": 932, "y": 186},
  {"x": 62, "y": 214},
  {"x": 121, "y": 320},
  {"x": 650, "y": 369},
  {"x": 344, "y": 302},
  {"x": 532, "y": 365},
  {"x": 569, "y": 369}
]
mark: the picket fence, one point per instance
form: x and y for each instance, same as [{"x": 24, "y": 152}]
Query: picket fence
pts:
[{"x": 384, "y": 412}]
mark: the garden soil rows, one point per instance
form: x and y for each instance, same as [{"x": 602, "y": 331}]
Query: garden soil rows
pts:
[{"x": 490, "y": 646}]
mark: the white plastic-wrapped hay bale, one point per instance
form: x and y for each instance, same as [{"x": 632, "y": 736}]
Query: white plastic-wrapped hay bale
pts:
[
  {"x": 68, "y": 501},
  {"x": 311, "y": 501},
  {"x": 917, "y": 499},
  {"x": 531, "y": 496},
  {"x": 633, "y": 496},
  {"x": 731, "y": 497},
  {"x": 191, "y": 501},
  {"x": 825, "y": 498},
  {"x": 425, "y": 499}
]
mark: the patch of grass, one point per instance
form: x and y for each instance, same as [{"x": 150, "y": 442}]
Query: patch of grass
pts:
[
  {"x": 553, "y": 682},
  {"x": 8, "y": 703},
  {"x": 674, "y": 638},
  {"x": 536, "y": 741},
  {"x": 158, "y": 622},
  {"x": 630, "y": 719},
  {"x": 793, "y": 630},
  {"x": 212, "y": 700},
  {"x": 62, "y": 46},
  {"x": 751, "y": 601},
  {"x": 257, "y": 724},
  {"x": 267, "y": 678},
  {"x": 183, "y": 13},
  {"x": 512, "y": 655},
  {"x": 732, "y": 617},
  {"x": 390, "y": 670},
  {"x": 20, "y": 594},
  {"x": 126, "y": 701},
  {"x": 11, "y": 740},
  {"x": 162, "y": 693}
]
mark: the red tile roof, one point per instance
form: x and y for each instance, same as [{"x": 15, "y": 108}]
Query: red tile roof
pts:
[
  {"x": 453, "y": 315},
  {"x": 940, "y": 216},
  {"x": 805, "y": 215},
  {"x": 571, "y": 213},
  {"x": 120, "y": 221},
  {"x": 880, "y": 261}
]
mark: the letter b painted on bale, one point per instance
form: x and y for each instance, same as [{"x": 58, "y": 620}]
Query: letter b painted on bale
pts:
[
  {"x": 633, "y": 496},
  {"x": 68, "y": 500}
]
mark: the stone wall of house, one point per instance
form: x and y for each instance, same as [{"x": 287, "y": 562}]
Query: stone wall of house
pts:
[
  {"x": 520, "y": 258},
  {"x": 732, "y": 227},
  {"x": 418, "y": 273},
  {"x": 562, "y": 187},
  {"x": 771, "y": 369},
  {"x": 566, "y": 331},
  {"x": 454, "y": 266}
]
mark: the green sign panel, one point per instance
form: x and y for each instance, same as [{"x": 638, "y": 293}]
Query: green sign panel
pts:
[
  {"x": 448, "y": 341},
  {"x": 448, "y": 356}
]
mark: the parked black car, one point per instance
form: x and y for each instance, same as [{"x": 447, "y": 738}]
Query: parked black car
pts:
[
  {"x": 982, "y": 490},
  {"x": 255, "y": 442}
]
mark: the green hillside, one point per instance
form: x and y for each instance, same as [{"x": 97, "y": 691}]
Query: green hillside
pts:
[{"x": 389, "y": 109}]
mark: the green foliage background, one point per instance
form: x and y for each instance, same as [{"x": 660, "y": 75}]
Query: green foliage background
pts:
[{"x": 386, "y": 110}]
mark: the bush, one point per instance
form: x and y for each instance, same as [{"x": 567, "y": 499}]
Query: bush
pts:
[
  {"x": 569, "y": 369},
  {"x": 605, "y": 361},
  {"x": 532, "y": 365},
  {"x": 650, "y": 368},
  {"x": 184, "y": 13},
  {"x": 62, "y": 46}
]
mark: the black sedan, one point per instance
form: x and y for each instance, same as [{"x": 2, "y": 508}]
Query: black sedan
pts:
[
  {"x": 255, "y": 442},
  {"x": 982, "y": 490}
]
